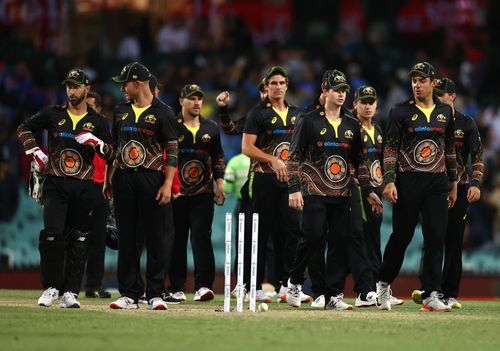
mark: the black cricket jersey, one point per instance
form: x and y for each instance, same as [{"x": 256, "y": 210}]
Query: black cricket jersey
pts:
[
  {"x": 468, "y": 142},
  {"x": 229, "y": 126},
  {"x": 416, "y": 144},
  {"x": 201, "y": 158},
  {"x": 273, "y": 133},
  {"x": 323, "y": 159},
  {"x": 67, "y": 158},
  {"x": 141, "y": 141},
  {"x": 372, "y": 144}
]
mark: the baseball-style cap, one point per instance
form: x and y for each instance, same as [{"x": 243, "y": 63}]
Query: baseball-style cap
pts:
[
  {"x": 275, "y": 70},
  {"x": 334, "y": 79},
  {"x": 365, "y": 93},
  {"x": 445, "y": 85},
  {"x": 76, "y": 76},
  {"x": 261, "y": 85},
  {"x": 424, "y": 69},
  {"x": 153, "y": 83},
  {"x": 191, "y": 89},
  {"x": 134, "y": 71}
]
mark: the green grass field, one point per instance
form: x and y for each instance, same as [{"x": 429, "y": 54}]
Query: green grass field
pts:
[{"x": 197, "y": 327}]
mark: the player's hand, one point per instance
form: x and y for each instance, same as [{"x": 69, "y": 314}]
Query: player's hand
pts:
[
  {"x": 86, "y": 138},
  {"x": 296, "y": 201},
  {"x": 390, "y": 193},
  {"x": 452, "y": 196},
  {"x": 176, "y": 196},
  {"x": 223, "y": 99},
  {"x": 40, "y": 158},
  {"x": 280, "y": 169},
  {"x": 107, "y": 190},
  {"x": 375, "y": 203},
  {"x": 164, "y": 195},
  {"x": 473, "y": 194},
  {"x": 219, "y": 196}
]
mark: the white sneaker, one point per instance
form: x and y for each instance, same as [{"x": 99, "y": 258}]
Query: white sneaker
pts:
[
  {"x": 383, "y": 300},
  {"x": 48, "y": 297},
  {"x": 203, "y": 294},
  {"x": 395, "y": 301},
  {"x": 293, "y": 294},
  {"x": 282, "y": 294},
  {"x": 337, "y": 303},
  {"x": 179, "y": 295},
  {"x": 69, "y": 300},
  {"x": 319, "y": 302},
  {"x": 124, "y": 303},
  {"x": 434, "y": 304},
  {"x": 260, "y": 296},
  {"x": 369, "y": 301},
  {"x": 143, "y": 299},
  {"x": 157, "y": 303},
  {"x": 453, "y": 303},
  {"x": 303, "y": 298}
]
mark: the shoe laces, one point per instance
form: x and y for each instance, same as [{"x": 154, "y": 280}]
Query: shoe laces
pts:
[
  {"x": 295, "y": 289},
  {"x": 50, "y": 292}
]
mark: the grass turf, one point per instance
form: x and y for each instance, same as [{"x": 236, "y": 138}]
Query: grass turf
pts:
[{"x": 197, "y": 327}]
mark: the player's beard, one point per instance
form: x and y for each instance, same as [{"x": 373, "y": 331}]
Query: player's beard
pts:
[{"x": 77, "y": 100}]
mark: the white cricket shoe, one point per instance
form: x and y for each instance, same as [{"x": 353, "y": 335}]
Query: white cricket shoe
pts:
[
  {"x": 453, "y": 303},
  {"x": 395, "y": 301},
  {"x": 338, "y": 303},
  {"x": 179, "y": 295},
  {"x": 319, "y": 302},
  {"x": 434, "y": 304},
  {"x": 48, "y": 297},
  {"x": 383, "y": 300},
  {"x": 293, "y": 294},
  {"x": 157, "y": 303},
  {"x": 203, "y": 294},
  {"x": 369, "y": 301},
  {"x": 68, "y": 300},
  {"x": 260, "y": 296},
  {"x": 124, "y": 303}
]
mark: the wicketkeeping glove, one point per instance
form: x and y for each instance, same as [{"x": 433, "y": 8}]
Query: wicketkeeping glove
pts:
[
  {"x": 35, "y": 182},
  {"x": 40, "y": 157},
  {"x": 87, "y": 138}
]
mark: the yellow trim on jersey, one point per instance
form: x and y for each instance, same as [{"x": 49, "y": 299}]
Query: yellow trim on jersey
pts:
[
  {"x": 138, "y": 111},
  {"x": 427, "y": 112},
  {"x": 282, "y": 114},
  {"x": 335, "y": 124},
  {"x": 75, "y": 118},
  {"x": 371, "y": 133},
  {"x": 193, "y": 131}
]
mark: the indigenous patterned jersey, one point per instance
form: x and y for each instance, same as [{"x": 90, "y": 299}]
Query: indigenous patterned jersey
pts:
[
  {"x": 67, "y": 158},
  {"x": 417, "y": 143},
  {"x": 201, "y": 159},
  {"x": 468, "y": 142},
  {"x": 141, "y": 140},
  {"x": 273, "y": 133},
  {"x": 327, "y": 156},
  {"x": 229, "y": 126},
  {"x": 372, "y": 144}
]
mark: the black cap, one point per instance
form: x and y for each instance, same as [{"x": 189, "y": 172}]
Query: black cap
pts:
[
  {"x": 191, "y": 89},
  {"x": 424, "y": 69},
  {"x": 334, "y": 79},
  {"x": 365, "y": 93},
  {"x": 275, "y": 70},
  {"x": 76, "y": 76},
  {"x": 132, "y": 72},
  {"x": 445, "y": 85},
  {"x": 153, "y": 83}
]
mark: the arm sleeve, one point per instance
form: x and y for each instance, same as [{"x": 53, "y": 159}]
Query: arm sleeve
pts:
[
  {"x": 228, "y": 126},
  {"x": 298, "y": 149},
  {"x": 476, "y": 153},
  {"x": 217, "y": 155},
  {"x": 103, "y": 133},
  {"x": 362, "y": 165},
  {"x": 449, "y": 150},
  {"x": 41, "y": 120},
  {"x": 115, "y": 127},
  {"x": 391, "y": 149},
  {"x": 168, "y": 137}
]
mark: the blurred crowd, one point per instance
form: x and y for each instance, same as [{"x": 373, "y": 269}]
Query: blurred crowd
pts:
[{"x": 229, "y": 56}]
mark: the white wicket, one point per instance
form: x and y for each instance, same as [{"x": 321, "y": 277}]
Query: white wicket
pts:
[
  {"x": 253, "y": 266},
  {"x": 227, "y": 264},
  {"x": 241, "y": 251}
]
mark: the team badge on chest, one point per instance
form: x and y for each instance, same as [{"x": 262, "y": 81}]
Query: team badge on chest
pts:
[
  {"x": 133, "y": 154},
  {"x": 70, "y": 162}
]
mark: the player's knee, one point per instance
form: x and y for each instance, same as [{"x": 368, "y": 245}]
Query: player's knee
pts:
[{"x": 48, "y": 237}]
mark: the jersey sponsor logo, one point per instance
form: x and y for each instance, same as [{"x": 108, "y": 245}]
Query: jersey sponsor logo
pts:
[
  {"x": 61, "y": 122},
  {"x": 70, "y": 162},
  {"x": 67, "y": 135},
  {"x": 349, "y": 134},
  {"x": 425, "y": 152},
  {"x": 151, "y": 119},
  {"x": 124, "y": 116},
  {"x": 336, "y": 168},
  {"x": 281, "y": 151},
  {"x": 88, "y": 127},
  {"x": 274, "y": 120},
  {"x": 441, "y": 118},
  {"x": 206, "y": 138},
  {"x": 376, "y": 174},
  {"x": 192, "y": 172},
  {"x": 133, "y": 154},
  {"x": 414, "y": 117},
  {"x": 459, "y": 133},
  {"x": 323, "y": 131}
]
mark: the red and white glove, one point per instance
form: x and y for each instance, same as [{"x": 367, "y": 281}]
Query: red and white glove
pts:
[
  {"x": 86, "y": 138},
  {"x": 40, "y": 157}
]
